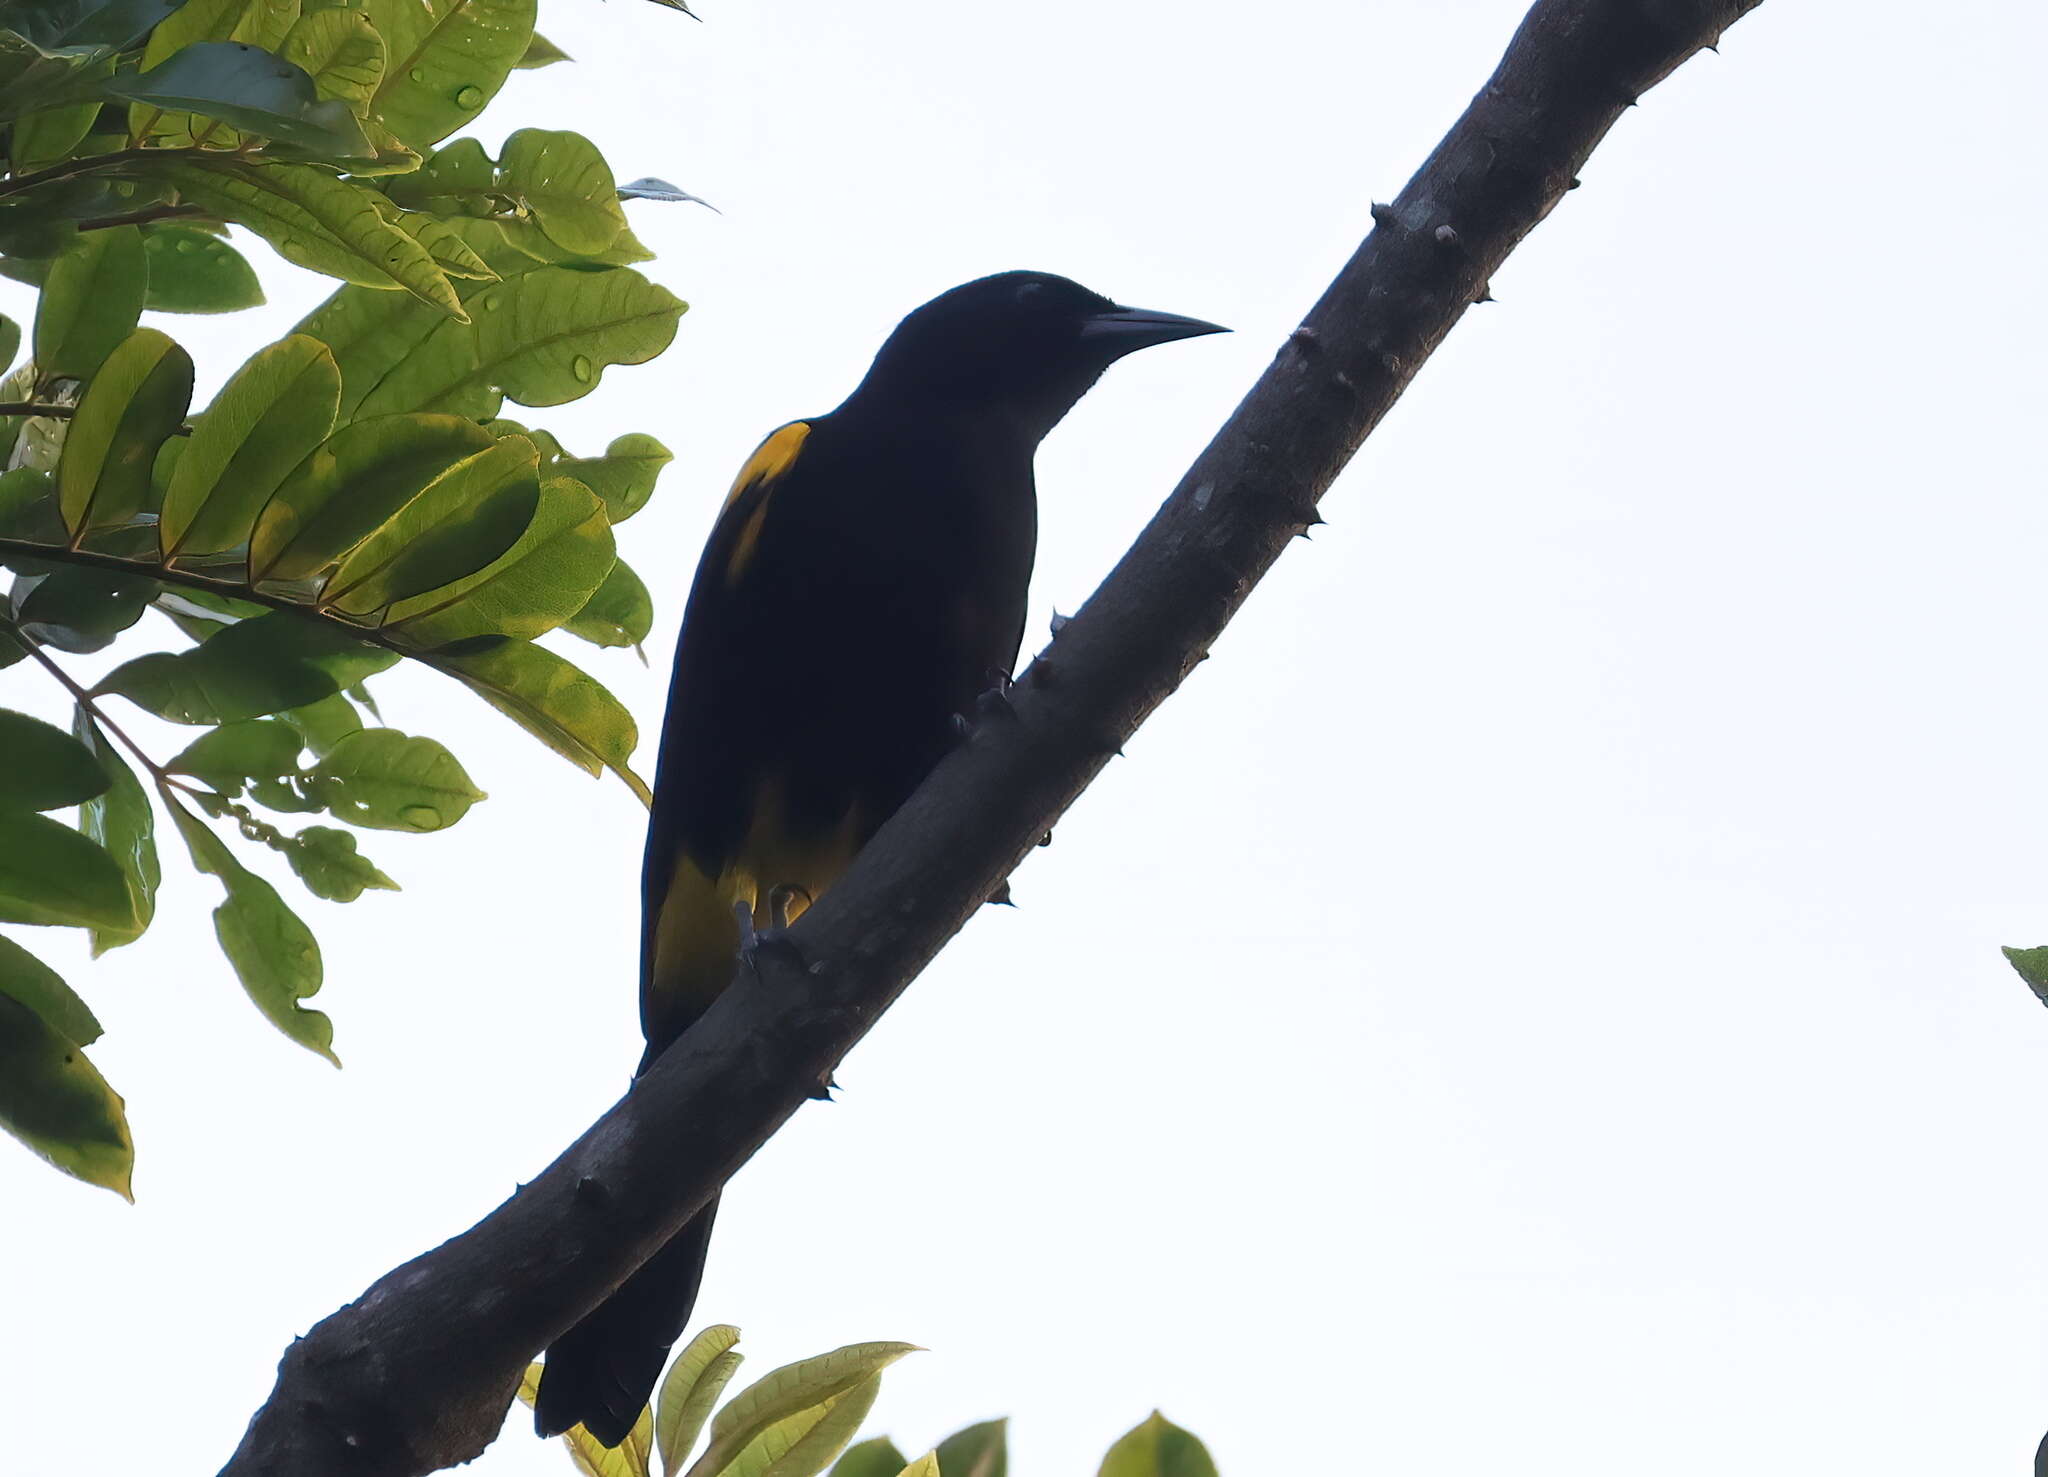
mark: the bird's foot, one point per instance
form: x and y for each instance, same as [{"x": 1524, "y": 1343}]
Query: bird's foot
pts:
[{"x": 754, "y": 942}]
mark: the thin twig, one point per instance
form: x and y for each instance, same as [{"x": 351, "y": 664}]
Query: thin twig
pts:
[
  {"x": 56, "y": 412},
  {"x": 84, "y": 698}
]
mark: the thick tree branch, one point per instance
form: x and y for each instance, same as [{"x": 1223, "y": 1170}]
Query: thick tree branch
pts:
[{"x": 417, "y": 1373}]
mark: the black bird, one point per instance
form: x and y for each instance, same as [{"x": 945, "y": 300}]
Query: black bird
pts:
[{"x": 865, "y": 582}]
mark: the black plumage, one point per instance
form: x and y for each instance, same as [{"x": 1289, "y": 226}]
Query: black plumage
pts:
[{"x": 865, "y": 582}]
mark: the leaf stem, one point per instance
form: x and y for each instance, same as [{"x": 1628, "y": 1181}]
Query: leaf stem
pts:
[{"x": 163, "y": 212}]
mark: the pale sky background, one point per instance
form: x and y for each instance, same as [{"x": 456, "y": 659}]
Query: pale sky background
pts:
[{"x": 1531, "y": 1004}]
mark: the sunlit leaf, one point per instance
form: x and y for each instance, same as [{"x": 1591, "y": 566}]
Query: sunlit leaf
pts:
[
  {"x": 272, "y": 951},
  {"x": 564, "y": 707},
  {"x": 389, "y": 781},
  {"x": 122, "y": 821},
  {"x": 793, "y": 1391},
  {"x": 458, "y": 524},
  {"x": 544, "y": 579},
  {"x": 619, "y": 613},
  {"x": 447, "y": 59},
  {"x": 624, "y": 476},
  {"x": 690, "y": 1389},
  {"x": 1157, "y": 1448},
  {"x": 45, "y": 767},
  {"x": 327, "y": 861},
  {"x": 372, "y": 336},
  {"x": 265, "y": 421},
  {"x": 351, "y": 486},
  {"x": 800, "y": 1444},
  {"x": 563, "y": 180},
  {"x": 341, "y": 51},
  {"x": 925, "y": 1466},
  {"x": 648, "y": 187},
  {"x": 134, "y": 402},
  {"x": 194, "y": 271},
  {"x": 546, "y": 337},
  {"x": 248, "y": 670},
  {"x": 51, "y": 1097},
  {"x": 91, "y": 301},
  {"x": 50, "y": 874},
  {"x": 316, "y": 221}
]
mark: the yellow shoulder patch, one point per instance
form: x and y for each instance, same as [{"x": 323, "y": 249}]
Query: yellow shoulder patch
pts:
[{"x": 770, "y": 461}]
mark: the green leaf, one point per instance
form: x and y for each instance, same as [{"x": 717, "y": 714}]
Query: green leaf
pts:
[
  {"x": 799, "y": 1444},
  {"x": 44, "y": 137},
  {"x": 324, "y": 724},
  {"x": 448, "y": 58},
  {"x": 980, "y": 1450},
  {"x": 875, "y": 1457},
  {"x": 461, "y": 522},
  {"x": 690, "y": 1389},
  {"x": 250, "y": 89},
  {"x": 1157, "y": 1448},
  {"x": 326, "y": 860},
  {"x": 51, "y": 1097},
  {"x": 545, "y": 337},
  {"x": 265, "y": 421},
  {"x": 50, "y": 874},
  {"x": 374, "y": 335},
  {"x": 808, "y": 1387},
  {"x": 58, "y": 24},
  {"x": 544, "y": 579},
  {"x": 564, "y": 707},
  {"x": 25, "y": 978},
  {"x": 121, "y": 821},
  {"x": 456, "y": 179},
  {"x": 541, "y": 52},
  {"x": 194, "y": 271},
  {"x": 272, "y": 951},
  {"x": 46, "y": 767},
  {"x": 92, "y": 299},
  {"x": 260, "y": 23},
  {"x": 351, "y": 487},
  {"x": 341, "y": 51},
  {"x": 133, "y": 404},
  {"x": 32, "y": 79},
  {"x": 315, "y": 221},
  {"x": 624, "y": 476},
  {"x": 229, "y": 756},
  {"x": 928, "y": 1464},
  {"x": 620, "y": 613},
  {"x": 81, "y": 610},
  {"x": 10, "y": 339},
  {"x": 385, "y": 780},
  {"x": 563, "y": 180},
  {"x": 247, "y": 670},
  {"x": 2032, "y": 965},
  {"x": 445, "y": 244}
]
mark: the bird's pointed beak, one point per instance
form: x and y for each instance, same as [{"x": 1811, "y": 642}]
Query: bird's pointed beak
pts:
[{"x": 1126, "y": 330}]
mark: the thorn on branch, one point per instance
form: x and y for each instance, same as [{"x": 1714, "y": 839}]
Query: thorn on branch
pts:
[
  {"x": 1573, "y": 183},
  {"x": 1485, "y": 294},
  {"x": 1001, "y": 898},
  {"x": 995, "y": 703},
  {"x": 1383, "y": 214},
  {"x": 1059, "y": 622},
  {"x": 592, "y": 1194}
]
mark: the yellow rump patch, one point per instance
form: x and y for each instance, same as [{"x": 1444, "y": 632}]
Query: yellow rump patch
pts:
[{"x": 770, "y": 461}]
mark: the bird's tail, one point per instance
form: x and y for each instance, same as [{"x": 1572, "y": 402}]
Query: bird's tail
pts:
[{"x": 601, "y": 1373}]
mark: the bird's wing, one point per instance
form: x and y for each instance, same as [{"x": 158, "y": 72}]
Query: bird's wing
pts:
[{"x": 709, "y": 766}]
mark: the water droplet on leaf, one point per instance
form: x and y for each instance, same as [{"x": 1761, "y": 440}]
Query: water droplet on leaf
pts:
[
  {"x": 420, "y": 817},
  {"x": 470, "y": 97},
  {"x": 582, "y": 369},
  {"x": 417, "y": 75}
]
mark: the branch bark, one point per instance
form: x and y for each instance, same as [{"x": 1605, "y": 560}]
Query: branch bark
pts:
[{"x": 416, "y": 1374}]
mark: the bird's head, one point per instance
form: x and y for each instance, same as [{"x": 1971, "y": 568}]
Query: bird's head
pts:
[{"x": 1022, "y": 345}]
